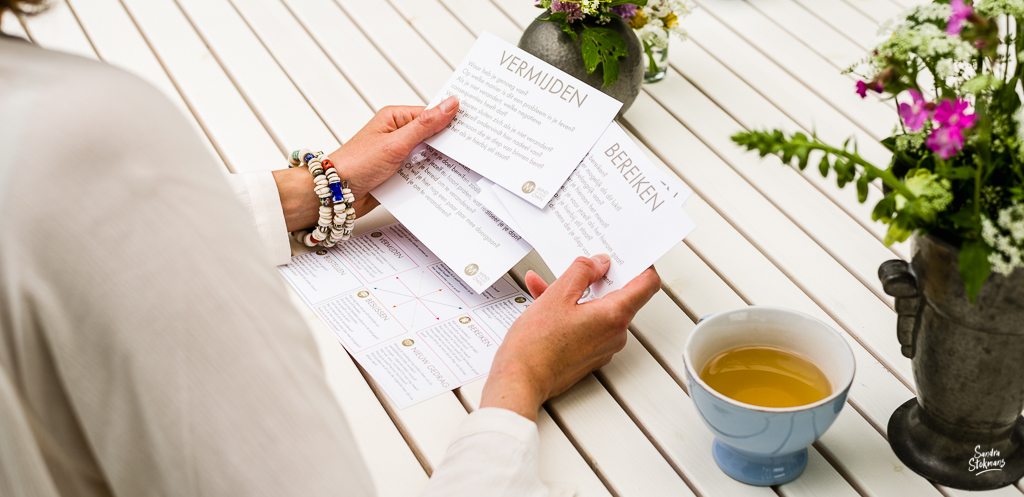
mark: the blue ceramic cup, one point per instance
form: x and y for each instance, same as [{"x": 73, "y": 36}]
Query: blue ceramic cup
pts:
[{"x": 766, "y": 445}]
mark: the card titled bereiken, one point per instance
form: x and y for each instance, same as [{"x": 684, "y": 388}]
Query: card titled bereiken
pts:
[
  {"x": 617, "y": 202},
  {"x": 522, "y": 123}
]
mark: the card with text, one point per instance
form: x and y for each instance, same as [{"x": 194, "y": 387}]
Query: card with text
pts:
[
  {"x": 617, "y": 202},
  {"x": 434, "y": 196},
  {"x": 404, "y": 315},
  {"x": 522, "y": 123}
]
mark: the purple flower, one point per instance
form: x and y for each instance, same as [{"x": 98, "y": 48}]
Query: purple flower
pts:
[
  {"x": 961, "y": 11},
  {"x": 625, "y": 11},
  {"x": 946, "y": 141},
  {"x": 914, "y": 115},
  {"x": 573, "y": 9},
  {"x": 862, "y": 88},
  {"x": 951, "y": 114},
  {"x": 948, "y": 138}
]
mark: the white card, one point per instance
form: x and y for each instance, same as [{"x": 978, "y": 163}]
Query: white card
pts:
[
  {"x": 522, "y": 123},
  {"x": 433, "y": 196},
  {"x": 490, "y": 201},
  {"x": 403, "y": 314},
  {"x": 617, "y": 202}
]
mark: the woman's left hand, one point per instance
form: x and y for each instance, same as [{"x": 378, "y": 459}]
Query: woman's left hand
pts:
[{"x": 367, "y": 160}]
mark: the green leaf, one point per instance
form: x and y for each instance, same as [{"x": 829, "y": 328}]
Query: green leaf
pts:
[
  {"x": 965, "y": 217},
  {"x": 603, "y": 46},
  {"x": 616, "y": 3},
  {"x": 885, "y": 208},
  {"x": 981, "y": 83},
  {"x": 890, "y": 143},
  {"x": 862, "y": 188},
  {"x": 974, "y": 266},
  {"x": 962, "y": 172},
  {"x": 561, "y": 18},
  {"x": 801, "y": 155},
  {"x": 824, "y": 166}
]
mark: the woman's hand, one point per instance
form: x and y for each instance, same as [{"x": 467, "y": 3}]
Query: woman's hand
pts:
[
  {"x": 369, "y": 158},
  {"x": 556, "y": 342}
]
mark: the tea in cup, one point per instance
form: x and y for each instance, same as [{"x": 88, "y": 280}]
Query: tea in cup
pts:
[{"x": 768, "y": 382}]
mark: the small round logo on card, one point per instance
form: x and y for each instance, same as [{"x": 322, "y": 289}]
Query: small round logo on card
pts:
[
  {"x": 529, "y": 187},
  {"x": 464, "y": 320},
  {"x": 408, "y": 342},
  {"x": 321, "y": 252},
  {"x": 520, "y": 300},
  {"x": 586, "y": 293},
  {"x": 363, "y": 294},
  {"x": 472, "y": 269},
  {"x": 376, "y": 234}
]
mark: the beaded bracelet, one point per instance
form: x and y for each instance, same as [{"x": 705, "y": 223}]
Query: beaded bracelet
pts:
[{"x": 337, "y": 216}]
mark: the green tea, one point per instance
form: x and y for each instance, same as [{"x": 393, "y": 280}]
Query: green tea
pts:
[{"x": 766, "y": 376}]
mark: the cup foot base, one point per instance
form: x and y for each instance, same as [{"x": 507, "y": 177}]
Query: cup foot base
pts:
[
  {"x": 754, "y": 469},
  {"x": 955, "y": 463}
]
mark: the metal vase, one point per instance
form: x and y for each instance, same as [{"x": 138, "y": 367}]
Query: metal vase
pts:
[
  {"x": 548, "y": 42},
  {"x": 964, "y": 429}
]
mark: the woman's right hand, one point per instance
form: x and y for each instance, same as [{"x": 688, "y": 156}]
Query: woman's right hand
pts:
[{"x": 557, "y": 342}]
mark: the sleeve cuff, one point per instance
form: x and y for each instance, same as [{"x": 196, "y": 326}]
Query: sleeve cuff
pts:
[
  {"x": 502, "y": 421},
  {"x": 258, "y": 193}
]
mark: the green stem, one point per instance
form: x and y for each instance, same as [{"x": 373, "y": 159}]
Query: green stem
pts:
[
  {"x": 651, "y": 66},
  {"x": 884, "y": 174}
]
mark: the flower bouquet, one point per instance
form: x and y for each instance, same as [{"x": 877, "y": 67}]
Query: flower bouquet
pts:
[
  {"x": 600, "y": 45},
  {"x": 957, "y": 169}
]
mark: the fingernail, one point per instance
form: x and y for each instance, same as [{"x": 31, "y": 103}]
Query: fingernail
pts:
[
  {"x": 449, "y": 104},
  {"x": 601, "y": 258}
]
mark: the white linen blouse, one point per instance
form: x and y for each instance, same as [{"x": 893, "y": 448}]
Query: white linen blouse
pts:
[{"x": 147, "y": 345}]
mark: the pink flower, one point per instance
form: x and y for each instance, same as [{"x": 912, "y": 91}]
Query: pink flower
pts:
[
  {"x": 862, "y": 88},
  {"x": 951, "y": 114},
  {"x": 961, "y": 11},
  {"x": 572, "y": 9},
  {"x": 946, "y": 141},
  {"x": 914, "y": 115}
]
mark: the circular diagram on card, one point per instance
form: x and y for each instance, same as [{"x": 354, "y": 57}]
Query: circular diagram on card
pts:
[
  {"x": 321, "y": 252},
  {"x": 529, "y": 187},
  {"x": 464, "y": 320},
  {"x": 520, "y": 300},
  {"x": 408, "y": 342},
  {"x": 363, "y": 294},
  {"x": 376, "y": 234},
  {"x": 586, "y": 293},
  {"x": 472, "y": 269}
]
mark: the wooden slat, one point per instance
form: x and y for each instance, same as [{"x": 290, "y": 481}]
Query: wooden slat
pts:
[
  {"x": 10, "y": 25},
  {"x": 353, "y": 54},
  {"x": 816, "y": 73},
  {"x": 410, "y": 55},
  {"x": 119, "y": 43},
  {"x": 769, "y": 101},
  {"x": 845, "y": 19},
  {"x": 831, "y": 227},
  {"x": 59, "y": 30},
  {"x": 469, "y": 11},
  {"x": 877, "y": 10},
  {"x": 228, "y": 120},
  {"x": 434, "y": 22},
  {"x": 337, "y": 103},
  {"x": 831, "y": 44},
  {"x": 281, "y": 108}
]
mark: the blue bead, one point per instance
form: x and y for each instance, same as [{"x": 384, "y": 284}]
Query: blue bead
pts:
[
  {"x": 309, "y": 157},
  {"x": 336, "y": 190}
]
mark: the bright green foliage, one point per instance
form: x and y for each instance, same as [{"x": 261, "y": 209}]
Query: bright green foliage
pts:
[{"x": 603, "y": 46}]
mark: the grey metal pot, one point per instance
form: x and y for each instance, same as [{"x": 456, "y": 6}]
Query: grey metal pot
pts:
[
  {"x": 547, "y": 41},
  {"x": 964, "y": 429}
]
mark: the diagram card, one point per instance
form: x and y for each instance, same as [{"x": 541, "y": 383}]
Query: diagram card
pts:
[
  {"x": 617, "y": 202},
  {"x": 522, "y": 123},
  {"x": 405, "y": 316}
]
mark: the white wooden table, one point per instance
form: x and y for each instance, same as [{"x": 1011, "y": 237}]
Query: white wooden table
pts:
[{"x": 259, "y": 78}]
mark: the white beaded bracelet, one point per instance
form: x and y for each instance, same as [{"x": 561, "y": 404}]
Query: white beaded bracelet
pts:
[{"x": 337, "y": 216}]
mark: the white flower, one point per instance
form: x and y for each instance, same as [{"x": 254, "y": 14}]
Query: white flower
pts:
[
  {"x": 1006, "y": 237},
  {"x": 931, "y": 12},
  {"x": 944, "y": 69},
  {"x": 990, "y": 8}
]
